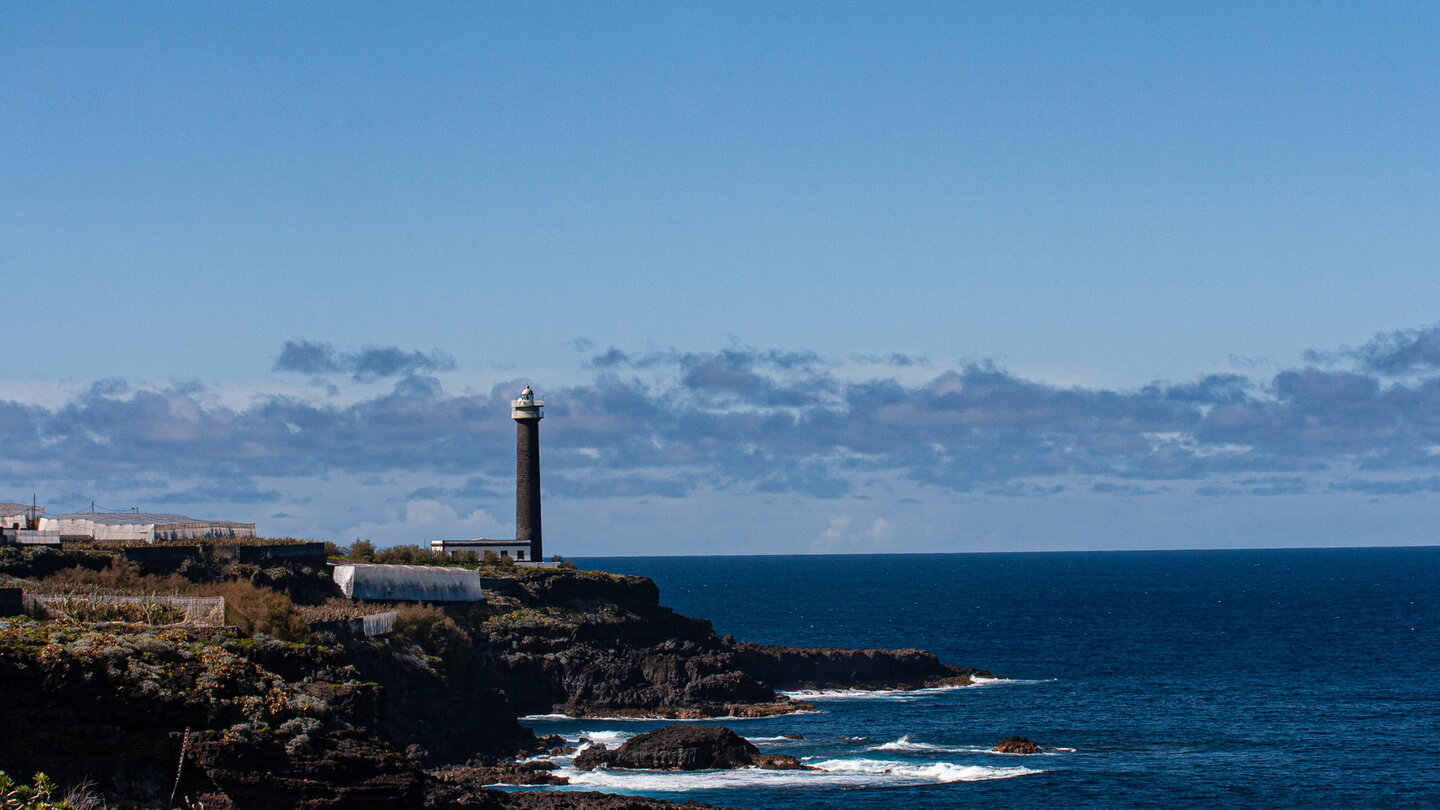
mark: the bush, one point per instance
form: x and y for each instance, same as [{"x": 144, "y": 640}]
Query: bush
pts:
[
  {"x": 410, "y": 555},
  {"x": 362, "y": 550},
  {"x": 261, "y": 610},
  {"x": 120, "y": 576},
  {"x": 39, "y": 795},
  {"x": 434, "y": 631}
]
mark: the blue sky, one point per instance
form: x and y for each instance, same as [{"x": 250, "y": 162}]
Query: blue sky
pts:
[{"x": 793, "y": 277}]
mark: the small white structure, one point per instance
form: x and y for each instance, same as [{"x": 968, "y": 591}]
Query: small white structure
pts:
[
  {"x": 142, "y": 526},
  {"x": 413, "y": 583}
]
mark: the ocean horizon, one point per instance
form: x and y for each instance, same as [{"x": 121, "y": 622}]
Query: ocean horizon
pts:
[{"x": 1195, "y": 678}]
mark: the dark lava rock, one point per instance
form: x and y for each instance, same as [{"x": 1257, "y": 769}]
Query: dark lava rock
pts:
[
  {"x": 505, "y": 772},
  {"x": 1016, "y": 745},
  {"x": 593, "y": 757},
  {"x": 779, "y": 762},
  {"x": 685, "y": 748}
]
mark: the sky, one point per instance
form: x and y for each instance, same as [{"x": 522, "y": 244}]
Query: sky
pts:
[{"x": 792, "y": 277}]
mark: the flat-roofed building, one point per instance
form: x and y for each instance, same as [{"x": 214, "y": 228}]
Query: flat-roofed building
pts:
[{"x": 518, "y": 550}]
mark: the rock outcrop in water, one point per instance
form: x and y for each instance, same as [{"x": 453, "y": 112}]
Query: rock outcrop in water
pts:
[
  {"x": 1015, "y": 745},
  {"x": 685, "y": 748}
]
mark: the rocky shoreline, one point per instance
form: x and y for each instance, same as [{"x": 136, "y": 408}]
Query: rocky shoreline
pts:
[{"x": 146, "y": 714}]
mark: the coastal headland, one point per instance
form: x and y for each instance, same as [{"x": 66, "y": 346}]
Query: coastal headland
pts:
[{"x": 288, "y": 705}]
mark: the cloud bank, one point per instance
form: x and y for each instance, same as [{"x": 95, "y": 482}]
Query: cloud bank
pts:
[{"x": 744, "y": 420}]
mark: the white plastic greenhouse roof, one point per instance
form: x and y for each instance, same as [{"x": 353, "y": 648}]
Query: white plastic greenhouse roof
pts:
[
  {"x": 417, "y": 583},
  {"x": 140, "y": 518}
]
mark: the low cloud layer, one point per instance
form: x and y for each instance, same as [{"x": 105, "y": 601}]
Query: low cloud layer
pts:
[{"x": 663, "y": 425}]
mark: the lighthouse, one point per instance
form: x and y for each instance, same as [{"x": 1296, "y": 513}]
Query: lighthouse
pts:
[{"x": 527, "y": 411}]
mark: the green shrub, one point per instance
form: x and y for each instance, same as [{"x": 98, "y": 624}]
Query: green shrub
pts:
[
  {"x": 36, "y": 796},
  {"x": 120, "y": 576},
  {"x": 260, "y": 610},
  {"x": 362, "y": 550},
  {"x": 434, "y": 631},
  {"x": 410, "y": 555}
]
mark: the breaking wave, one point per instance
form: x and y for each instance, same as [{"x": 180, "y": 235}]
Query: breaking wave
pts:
[
  {"x": 609, "y": 738},
  {"x": 900, "y": 695},
  {"x": 907, "y": 744},
  {"x": 833, "y": 773}
]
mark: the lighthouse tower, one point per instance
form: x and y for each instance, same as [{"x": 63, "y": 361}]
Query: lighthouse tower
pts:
[{"x": 527, "y": 413}]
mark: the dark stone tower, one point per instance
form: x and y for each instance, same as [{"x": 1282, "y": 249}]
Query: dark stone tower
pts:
[{"x": 527, "y": 413}]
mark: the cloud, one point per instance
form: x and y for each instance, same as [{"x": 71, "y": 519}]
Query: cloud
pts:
[
  {"x": 882, "y": 531},
  {"x": 893, "y": 359},
  {"x": 832, "y": 538},
  {"x": 1107, "y": 488},
  {"x": 1391, "y": 354},
  {"x": 1402, "y": 351},
  {"x": 741, "y": 375},
  {"x": 1408, "y": 486},
  {"x": 366, "y": 365}
]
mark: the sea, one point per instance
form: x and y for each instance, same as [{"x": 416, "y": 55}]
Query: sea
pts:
[{"x": 1305, "y": 678}]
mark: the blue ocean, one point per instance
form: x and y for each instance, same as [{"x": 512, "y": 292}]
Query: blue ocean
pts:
[{"x": 1174, "y": 679}]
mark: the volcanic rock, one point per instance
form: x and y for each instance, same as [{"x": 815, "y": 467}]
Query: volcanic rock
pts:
[
  {"x": 1015, "y": 745},
  {"x": 504, "y": 772},
  {"x": 684, "y": 747}
]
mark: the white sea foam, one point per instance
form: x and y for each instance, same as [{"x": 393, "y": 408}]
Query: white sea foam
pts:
[
  {"x": 907, "y": 744},
  {"x": 781, "y": 738},
  {"x": 537, "y": 717},
  {"x": 905, "y": 695},
  {"x": 833, "y": 773},
  {"x": 1012, "y": 681},
  {"x": 939, "y": 772},
  {"x": 609, "y": 738},
  {"x": 898, "y": 695}
]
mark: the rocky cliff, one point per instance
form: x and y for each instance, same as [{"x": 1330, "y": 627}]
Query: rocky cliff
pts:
[
  {"x": 599, "y": 644},
  {"x": 148, "y": 714}
]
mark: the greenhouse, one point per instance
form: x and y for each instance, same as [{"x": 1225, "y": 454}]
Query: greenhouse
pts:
[
  {"x": 413, "y": 583},
  {"x": 142, "y": 526}
]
